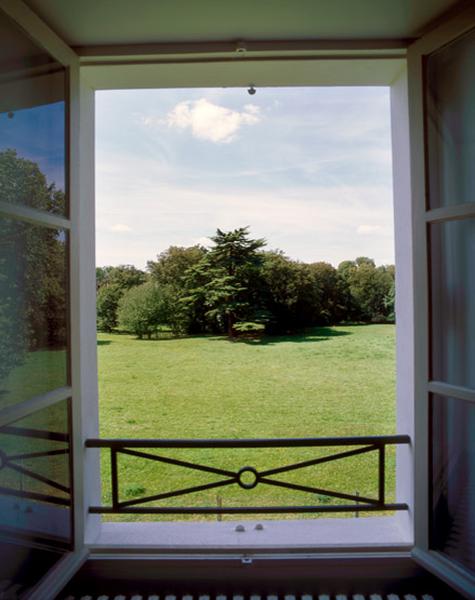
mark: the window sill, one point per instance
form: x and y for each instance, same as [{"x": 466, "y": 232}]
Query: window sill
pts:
[{"x": 322, "y": 535}]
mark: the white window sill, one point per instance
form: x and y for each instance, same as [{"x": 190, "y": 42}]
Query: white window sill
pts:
[{"x": 319, "y": 535}]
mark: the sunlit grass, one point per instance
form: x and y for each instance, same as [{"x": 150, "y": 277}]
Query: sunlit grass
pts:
[{"x": 335, "y": 381}]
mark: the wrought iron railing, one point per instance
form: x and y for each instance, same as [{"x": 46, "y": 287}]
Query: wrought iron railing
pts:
[
  {"x": 13, "y": 463},
  {"x": 248, "y": 477}
]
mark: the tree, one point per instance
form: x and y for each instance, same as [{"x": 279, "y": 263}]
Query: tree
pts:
[
  {"x": 221, "y": 281},
  {"x": 291, "y": 292},
  {"x": 333, "y": 293},
  {"x": 107, "y": 302},
  {"x": 141, "y": 310},
  {"x": 171, "y": 264},
  {"x": 368, "y": 285},
  {"x": 168, "y": 271},
  {"x": 33, "y": 272},
  {"x": 123, "y": 276},
  {"x": 112, "y": 283},
  {"x": 22, "y": 182}
]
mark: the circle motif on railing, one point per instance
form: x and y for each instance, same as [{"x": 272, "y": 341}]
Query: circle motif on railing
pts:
[{"x": 248, "y": 478}]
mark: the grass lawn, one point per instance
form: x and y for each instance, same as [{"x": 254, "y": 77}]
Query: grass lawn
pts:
[{"x": 333, "y": 381}]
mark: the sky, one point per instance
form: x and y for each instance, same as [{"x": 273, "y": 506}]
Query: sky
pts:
[
  {"x": 37, "y": 134},
  {"x": 308, "y": 169}
]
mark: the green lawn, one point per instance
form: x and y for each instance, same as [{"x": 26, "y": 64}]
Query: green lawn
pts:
[{"x": 333, "y": 381}]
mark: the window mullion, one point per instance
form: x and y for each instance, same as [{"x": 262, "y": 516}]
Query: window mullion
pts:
[{"x": 34, "y": 216}]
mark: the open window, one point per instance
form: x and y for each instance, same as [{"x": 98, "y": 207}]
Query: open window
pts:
[
  {"x": 434, "y": 255},
  {"x": 441, "y": 98}
]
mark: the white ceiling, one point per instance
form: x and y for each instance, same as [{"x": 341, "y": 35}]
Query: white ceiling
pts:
[{"x": 97, "y": 22}]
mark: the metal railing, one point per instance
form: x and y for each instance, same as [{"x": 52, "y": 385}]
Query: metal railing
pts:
[
  {"x": 13, "y": 463},
  {"x": 248, "y": 477}
]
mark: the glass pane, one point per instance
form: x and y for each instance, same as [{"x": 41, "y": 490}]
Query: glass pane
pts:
[
  {"x": 33, "y": 310},
  {"x": 452, "y": 253},
  {"x": 450, "y": 123},
  {"x": 32, "y": 124},
  {"x": 453, "y": 479},
  {"x": 35, "y": 498}
]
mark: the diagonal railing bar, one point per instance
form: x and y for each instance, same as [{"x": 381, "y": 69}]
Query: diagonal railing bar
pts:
[
  {"x": 38, "y": 454},
  {"x": 182, "y": 492},
  {"x": 178, "y": 463},
  {"x": 314, "y": 490},
  {"x": 248, "y": 477},
  {"x": 318, "y": 461},
  {"x": 41, "y": 434},
  {"x": 37, "y": 477},
  {"x": 35, "y": 496}
]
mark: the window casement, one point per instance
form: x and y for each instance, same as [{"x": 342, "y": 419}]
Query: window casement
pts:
[{"x": 432, "y": 387}]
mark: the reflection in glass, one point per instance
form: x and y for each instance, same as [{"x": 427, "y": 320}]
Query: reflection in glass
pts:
[
  {"x": 32, "y": 124},
  {"x": 35, "y": 494},
  {"x": 452, "y": 250},
  {"x": 450, "y": 123},
  {"x": 33, "y": 310},
  {"x": 453, "y": 479},
  {"x": 35, "y": 491}
]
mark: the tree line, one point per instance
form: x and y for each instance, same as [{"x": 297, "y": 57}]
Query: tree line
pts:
[
  {"x": 238, "y": 287},
  {"x": 33, "y": 266}
]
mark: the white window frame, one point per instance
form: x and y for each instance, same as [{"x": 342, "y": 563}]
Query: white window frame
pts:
[
  {"x": 436, "y": 562},
  {"x": 391, "y": 534},
  {"x": 320, "y": 67},
  {"x": 81, "y": 257}
]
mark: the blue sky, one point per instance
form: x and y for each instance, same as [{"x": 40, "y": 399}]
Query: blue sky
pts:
[
  {"x": 38, "y": 135},
  {"x": 309, "y": 169}
]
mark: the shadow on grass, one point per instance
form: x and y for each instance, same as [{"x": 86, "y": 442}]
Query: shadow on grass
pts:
[{"x": 315, "y": 334}]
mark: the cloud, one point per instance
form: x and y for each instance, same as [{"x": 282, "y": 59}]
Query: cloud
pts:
[
  {"x": 369, "y": 229},
  {"x": 317, "y": 183},
  {"x": 208, "y": 121},
  {"x": 308, "y": 222},
  {"x": 120, "y": 228}
]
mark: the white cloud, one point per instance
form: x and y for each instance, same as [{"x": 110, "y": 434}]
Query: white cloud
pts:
[
  {"x": 369, "y": 229},
  {"x": 310, "y": 223},
  {"x": 206, "y": 120},
  {"x": 120, "y": 228},
  {"x": 317, "y": 183}
]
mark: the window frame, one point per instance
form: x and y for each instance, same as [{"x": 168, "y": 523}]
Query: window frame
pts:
[
  {"x": 124, "y": 69},
  {"x": 377, "y": 69},
  {"x": 34, "y": 28},
  {"x": 423, "y": 216}
]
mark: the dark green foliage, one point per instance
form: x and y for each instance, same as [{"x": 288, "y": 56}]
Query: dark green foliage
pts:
[
  {"x": 237, "y": 284},
  {"x": 22, "y": 182},
  {"x": 221, "y": 282},
  {"x": 171, "y": 264},
  {"x": 291, "y": 293},
  {"x": 108, "y": 297},
  {"x": 168, "y": 271},
  {"x": 140, "y": 310},
  {"x": 369, "y": 286},
  {"x": 112, "y": 283},
  {"x": 123, "y": 277},
  {"x": 33, "y": 280}
]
